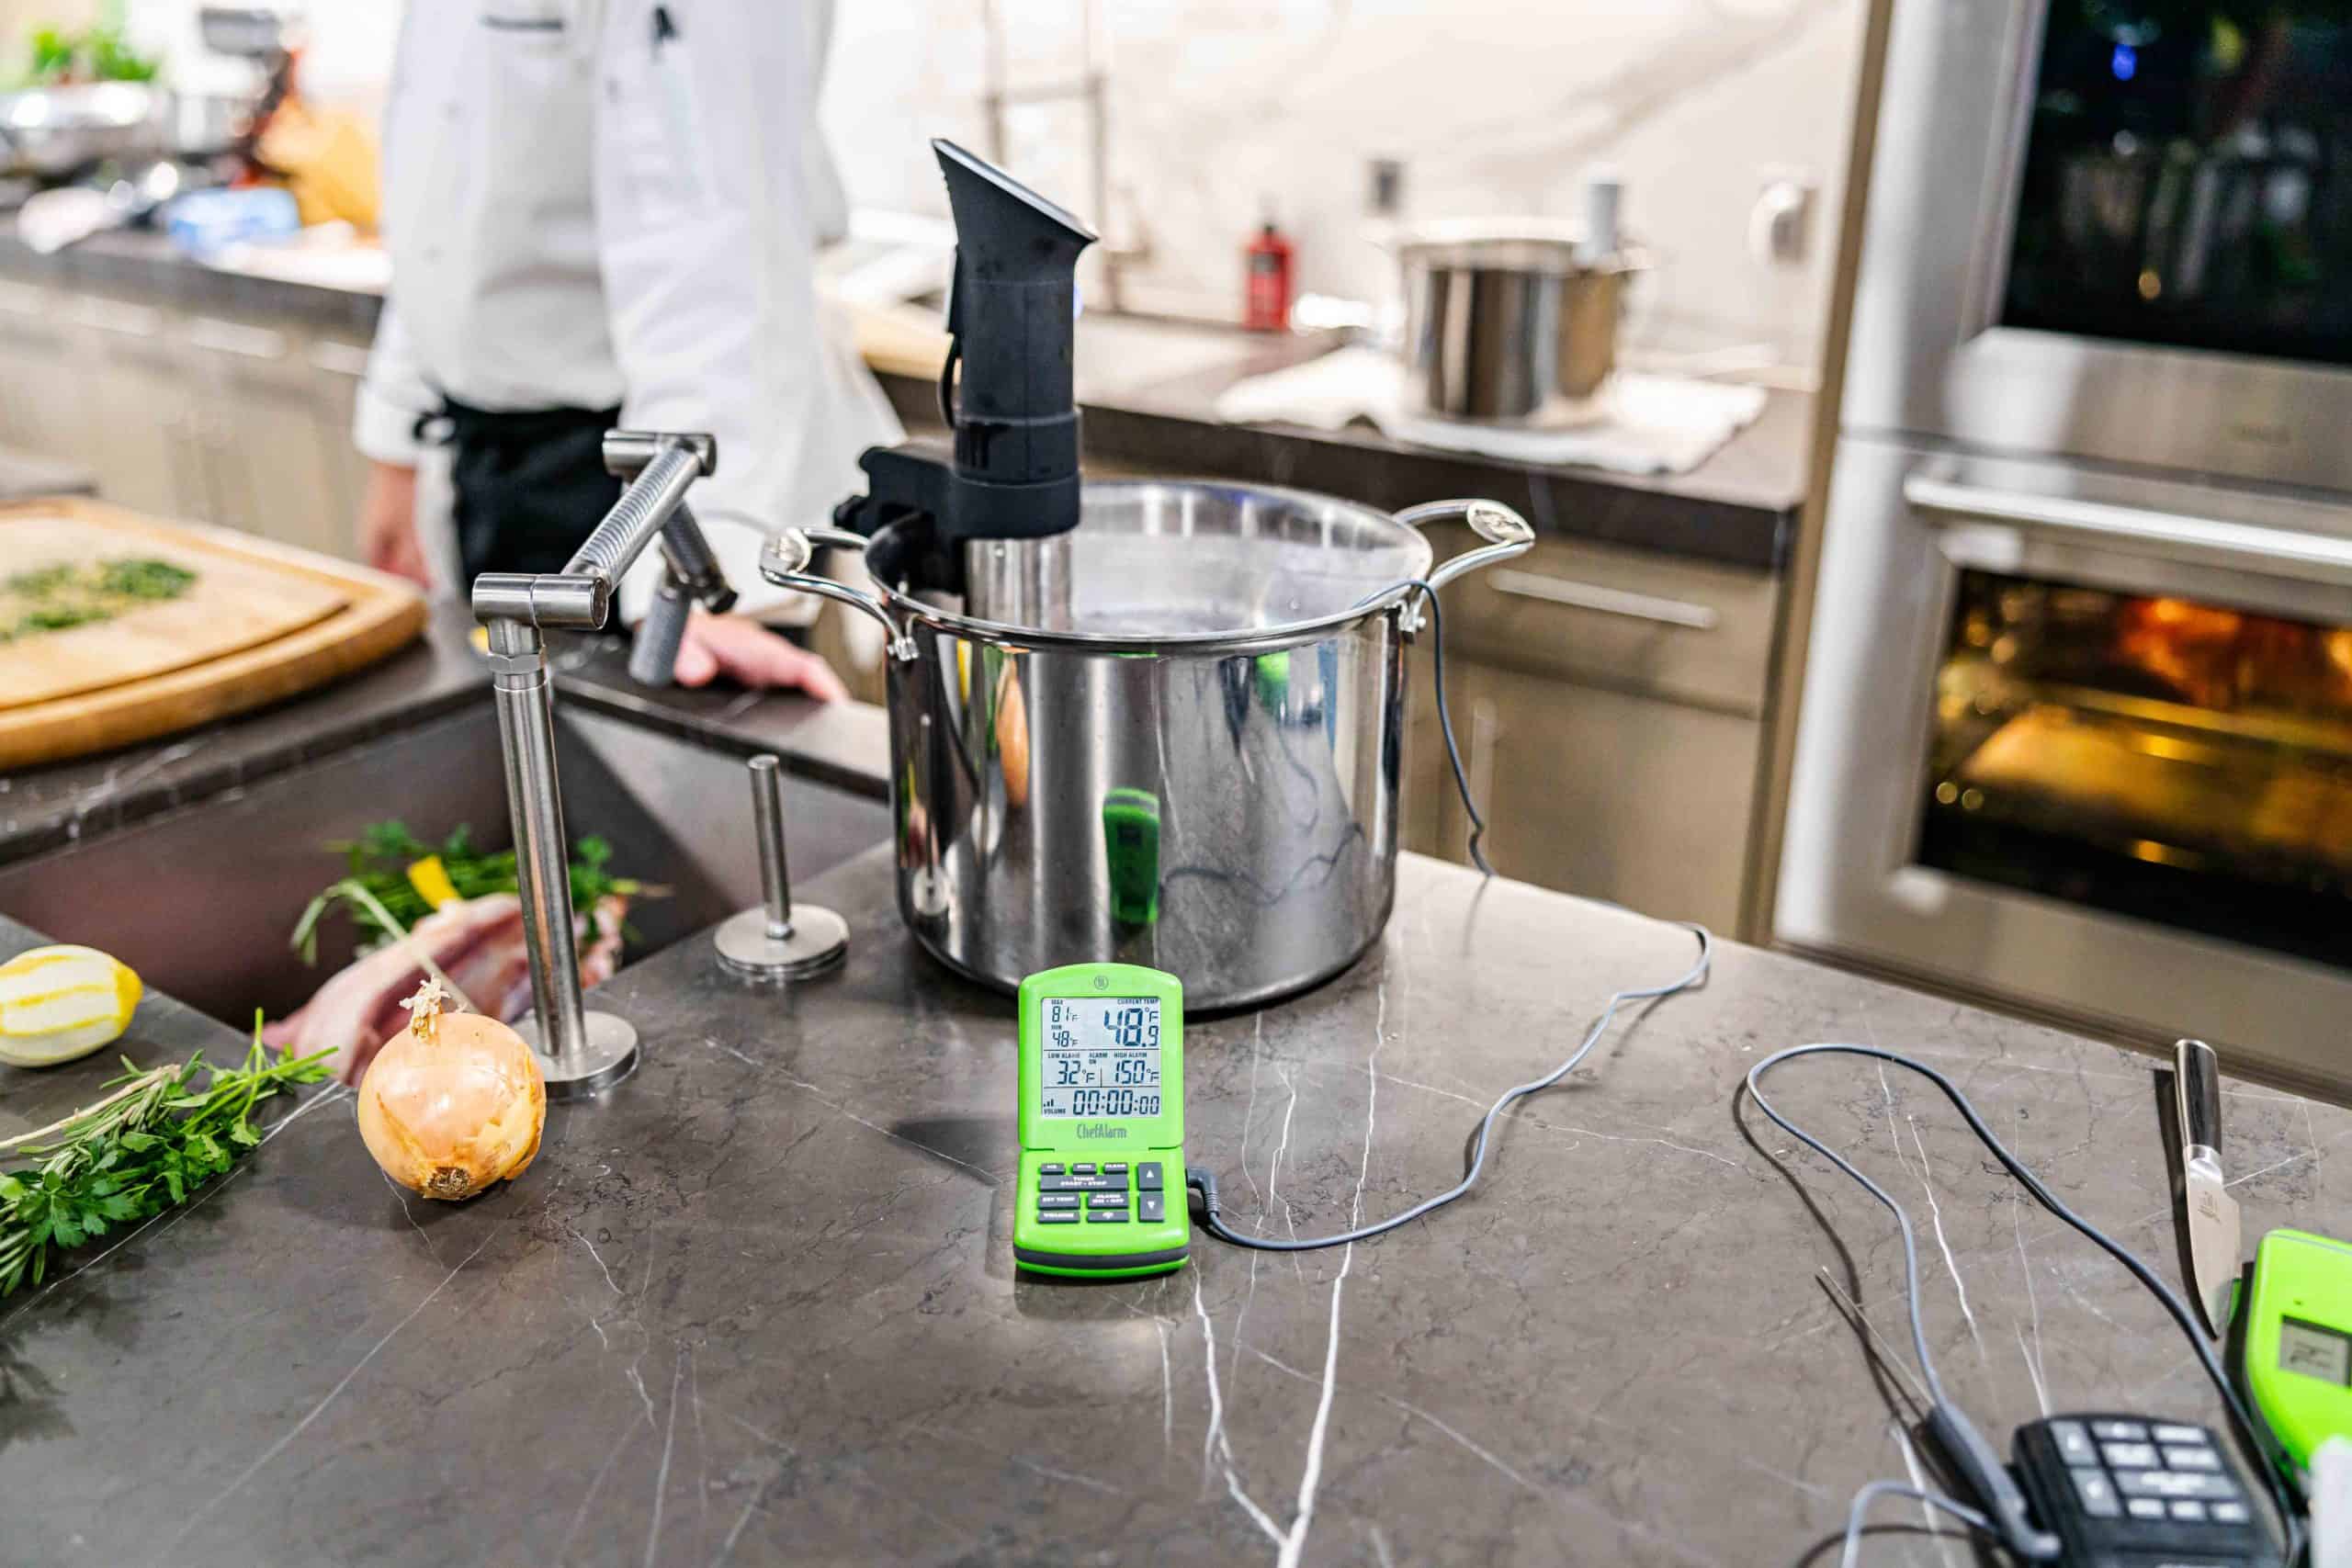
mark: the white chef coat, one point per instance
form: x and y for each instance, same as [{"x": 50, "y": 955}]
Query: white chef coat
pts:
[{"x": 592, "y": 203}]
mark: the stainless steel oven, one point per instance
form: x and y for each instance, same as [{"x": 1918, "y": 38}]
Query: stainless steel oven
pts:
[{"x": 2076, "y": 729}]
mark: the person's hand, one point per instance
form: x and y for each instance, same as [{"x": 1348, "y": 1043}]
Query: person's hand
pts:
[
  {"x": 388, "y": 524},
  {"x": 740, "y": 648}
]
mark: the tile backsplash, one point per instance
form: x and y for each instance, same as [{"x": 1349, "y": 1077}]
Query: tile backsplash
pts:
[{"x": 1221, "y": 110}]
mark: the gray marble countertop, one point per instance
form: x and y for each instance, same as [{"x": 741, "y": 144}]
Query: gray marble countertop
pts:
[{"x": 758, "y": 1304}]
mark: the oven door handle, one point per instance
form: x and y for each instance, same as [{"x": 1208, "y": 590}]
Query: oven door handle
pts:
[{"x": 2140, "y": 530}]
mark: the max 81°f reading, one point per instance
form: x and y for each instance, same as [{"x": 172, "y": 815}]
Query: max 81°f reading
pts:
[{"x": 1100, "y": 1056}]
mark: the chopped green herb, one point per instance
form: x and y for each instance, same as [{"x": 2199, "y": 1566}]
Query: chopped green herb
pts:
[{"x": 54, "y": 598}]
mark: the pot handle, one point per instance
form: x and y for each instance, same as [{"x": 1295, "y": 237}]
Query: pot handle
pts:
[
  {"x": 783, "y": 561},
  {"x": 1504, "y": 531}
]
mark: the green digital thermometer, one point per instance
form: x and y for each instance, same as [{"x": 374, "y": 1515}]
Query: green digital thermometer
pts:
[
  {"x": 1101, "y": 1187},
  {"x": 2297, "y": 1356}
]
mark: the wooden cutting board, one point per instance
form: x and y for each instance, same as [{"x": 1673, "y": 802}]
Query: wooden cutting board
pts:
[{"x": 261, "y": 622}]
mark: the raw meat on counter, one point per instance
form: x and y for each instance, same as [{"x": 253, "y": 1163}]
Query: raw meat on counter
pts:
[{"x": 478, "y": 943}]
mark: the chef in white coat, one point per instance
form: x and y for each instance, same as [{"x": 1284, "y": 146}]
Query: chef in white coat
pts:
[{"x": 606, "y": 212}]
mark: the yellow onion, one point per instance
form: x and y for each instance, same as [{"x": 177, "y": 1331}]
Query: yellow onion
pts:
[{"x": 452, "y": 1103}]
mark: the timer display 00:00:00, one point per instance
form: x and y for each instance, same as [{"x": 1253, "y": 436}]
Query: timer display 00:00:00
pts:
[{"x": 1113, "y": 1103}]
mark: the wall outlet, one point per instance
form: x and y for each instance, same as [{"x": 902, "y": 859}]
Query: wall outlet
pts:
[{"x": 1780, "y": 226}]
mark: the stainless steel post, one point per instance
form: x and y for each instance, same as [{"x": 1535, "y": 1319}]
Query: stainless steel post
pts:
[
  {"x": 767, "y": 822},
  {"x": 780, "y": 940},
  {"x": 580, "y": 1052}
]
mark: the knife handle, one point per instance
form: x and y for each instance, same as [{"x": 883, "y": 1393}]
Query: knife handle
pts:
[{"x": 2197, "y": 1090}]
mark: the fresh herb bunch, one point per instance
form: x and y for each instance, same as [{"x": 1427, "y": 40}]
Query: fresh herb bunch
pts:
[
  {"x": 141, "y": 1149},
  {"x": 378, "y": 885}
]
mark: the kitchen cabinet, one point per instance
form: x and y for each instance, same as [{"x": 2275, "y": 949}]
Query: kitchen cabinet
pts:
[
  {"x": 269, "y": 466},
  {"x": 337, "y": 365},
  {"x": 1608, "y": 704},
  {"x": 41, "y": 398},
  {"x": 239, "y": 422},
  {"x": 1605, "y": 794},
  {"x": 142, "y": 439}
]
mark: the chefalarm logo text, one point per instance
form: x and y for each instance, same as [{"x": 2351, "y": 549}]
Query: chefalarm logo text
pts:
[{"x": 1101, "y": 1130}]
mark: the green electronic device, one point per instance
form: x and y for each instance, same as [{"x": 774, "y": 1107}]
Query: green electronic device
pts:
[
  {"x": 1100, "y": 1194},
  {"x": 1131, "y": 847},
  {"x": 2298, "y": 1357}
]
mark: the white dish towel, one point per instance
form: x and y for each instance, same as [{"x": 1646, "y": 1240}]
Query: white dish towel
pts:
[{"x": 1655, "y": 425}]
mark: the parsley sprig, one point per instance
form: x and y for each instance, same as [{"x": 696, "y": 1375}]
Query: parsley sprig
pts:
[
  {"x": 144, "y": 1147},
  {"x": 384, "y": 904}
]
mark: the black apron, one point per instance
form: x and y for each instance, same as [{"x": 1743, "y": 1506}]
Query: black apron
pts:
[{"x": 531, "y": 487}]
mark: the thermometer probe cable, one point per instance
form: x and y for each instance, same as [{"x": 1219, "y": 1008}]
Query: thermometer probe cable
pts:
[
  {"x": 1204, "y": 1181},
  {"x": 1966, "y": 1448}
]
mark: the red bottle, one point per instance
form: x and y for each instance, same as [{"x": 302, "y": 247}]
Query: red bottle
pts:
[{"x": 1265, "y": 301}]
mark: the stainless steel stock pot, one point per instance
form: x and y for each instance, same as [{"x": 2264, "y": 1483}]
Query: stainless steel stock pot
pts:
[{"x": 1170, "y": 736}]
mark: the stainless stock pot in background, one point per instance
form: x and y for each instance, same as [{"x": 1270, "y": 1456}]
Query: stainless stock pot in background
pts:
[
  {"x": 1510, "y": 323},
  {"x": 1170, "y": 736}
]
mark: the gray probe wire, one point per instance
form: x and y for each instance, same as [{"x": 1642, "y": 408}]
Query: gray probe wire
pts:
[
  {"x": 1859, "y": 1509},
  {"x": 2241, "y": 1419},
  {"x": 1204, "y": 1181}
]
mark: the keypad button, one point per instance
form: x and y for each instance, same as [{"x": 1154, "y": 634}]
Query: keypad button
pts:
[
  {"x": 2119, "y": 1431},
  {"x": 2174, "y": 1483},
  {"x": 2144, "y": 1508},
  {"x": 1147, "y": 1176},
  {"x": 1106, "y": 1216},
  {"x": 2197, "y": 1458},
  {"x": 1114, "y": 1167},
  {"x": 1054, "y": 1169},
  {"x": 2189, "y": 1508},
  {"x": 1057, "y": 1199},
  {"x": 2098, "y": 1498},
  {"x": 1084, "y": 1168},
  {"x": 2229, "y": 1514},
  {"x": 2073, "y": 1443},
  {"x": 2130, "y": 1455},
  {"x": 2179, "y": 1434},
  {"x": 1057, "y": 1216},
  {"x": 1151, "y": 1207},
  {"x": 1106, "y": 1199},
  {"x": 1081, "y": 1184}
]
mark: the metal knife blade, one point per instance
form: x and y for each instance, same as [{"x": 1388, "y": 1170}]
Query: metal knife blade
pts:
[{"x": 2211, "y": 1215}]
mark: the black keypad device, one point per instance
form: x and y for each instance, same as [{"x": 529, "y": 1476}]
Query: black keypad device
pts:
[{"x": 2124, "y": 1491}]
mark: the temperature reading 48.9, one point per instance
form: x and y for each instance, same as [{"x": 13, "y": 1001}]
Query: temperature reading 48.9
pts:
[{"x": 1100, "y": 1057}]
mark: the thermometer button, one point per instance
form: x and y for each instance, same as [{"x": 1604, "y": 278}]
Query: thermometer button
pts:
[
  {"x": 1100, "y": 1216},
  {"x": 1057, "y": 1199},
  {"x": 1147, "y": 1176},
  {"x": 1053, "y": 1169},
  {"x": 1116, "y": 1168},
  {"x": 1106, "y": 1200},
  {"x": 1083, "y": 1169},
  {"x": 1151, "y": 1207}
]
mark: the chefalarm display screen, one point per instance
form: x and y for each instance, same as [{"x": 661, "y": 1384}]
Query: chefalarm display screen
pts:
[
  {"x": 2315, "y": 1351},
  {"x": 1100, "y": 1057}
]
